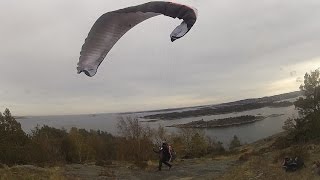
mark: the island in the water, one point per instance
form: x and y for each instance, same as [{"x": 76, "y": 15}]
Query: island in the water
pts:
[{"x": 225, "y": 122}]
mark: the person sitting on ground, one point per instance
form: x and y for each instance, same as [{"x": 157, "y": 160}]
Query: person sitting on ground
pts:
[
  {"x": 164, "y": 155},
  {"x": 292, "y": 164}
]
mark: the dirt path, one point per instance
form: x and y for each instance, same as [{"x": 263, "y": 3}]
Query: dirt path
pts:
[{"x": 186, "y": 169}]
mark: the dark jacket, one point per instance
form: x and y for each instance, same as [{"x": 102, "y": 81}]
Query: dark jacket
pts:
[{"x": 164, "y": 153}]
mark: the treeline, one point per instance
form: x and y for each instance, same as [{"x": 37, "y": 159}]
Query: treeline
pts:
[
  {"x": 46, "y": 145},
  {"x": 206, "y": 111}
]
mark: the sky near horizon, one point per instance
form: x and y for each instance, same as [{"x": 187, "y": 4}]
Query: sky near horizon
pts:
[{"x": 236, "y": 50}]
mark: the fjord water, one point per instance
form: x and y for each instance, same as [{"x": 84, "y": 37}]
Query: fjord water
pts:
[
  {"x": 108, "y": 122},
  {"x": 248, "y": 132}
]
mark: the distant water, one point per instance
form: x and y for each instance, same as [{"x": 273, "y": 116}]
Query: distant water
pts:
[
  {"x": 247, "y": 133},
  {"x": 108, "y": 122},
  {"x": 104, "y": 122}
]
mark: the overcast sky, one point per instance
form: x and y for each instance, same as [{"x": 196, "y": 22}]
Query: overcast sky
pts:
[{"x": 236, "y": 49}]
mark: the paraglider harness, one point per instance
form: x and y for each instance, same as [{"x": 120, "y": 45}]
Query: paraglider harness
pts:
[
  {"x": 172, "y": 153},
  {"x": 168, "y": 152},
  {"x": 290, "y": 164}
]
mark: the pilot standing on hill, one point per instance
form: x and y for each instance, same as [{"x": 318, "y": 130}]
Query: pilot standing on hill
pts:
[{"x": 164, "y": 155}]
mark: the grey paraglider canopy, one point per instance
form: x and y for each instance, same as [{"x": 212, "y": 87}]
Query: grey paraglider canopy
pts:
[{"x": 111, "y": 26}]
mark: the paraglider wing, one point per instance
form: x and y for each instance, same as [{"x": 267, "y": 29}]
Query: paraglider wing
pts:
[{"x": 111, "y": 26}]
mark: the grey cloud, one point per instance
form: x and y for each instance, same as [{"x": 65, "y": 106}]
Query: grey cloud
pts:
[
  {"x": 299, "y": 80},
  {"x": 293, "y": 73}
]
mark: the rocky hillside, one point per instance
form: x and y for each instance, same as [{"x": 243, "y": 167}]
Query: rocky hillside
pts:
[{"x": 259, "y": 160}]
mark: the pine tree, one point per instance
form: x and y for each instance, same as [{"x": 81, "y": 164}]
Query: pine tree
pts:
[
  {"x": 307, "y": 125},
  {"x": 234, "y": 143},
  {"x": 13, "y": 140}
]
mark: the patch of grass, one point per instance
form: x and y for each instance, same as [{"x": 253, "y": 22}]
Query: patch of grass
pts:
[
  {"x": 259, "y": 167},
  {"x": 247, "y": 153},
  {"x": 263, "y": 161},
  {"x": 282, "y": 142},
  {"x": 103, "y": 163},
  {"x": 294, "y": 151},
  {"x": 30, "y": 173},
  {"x": 107, "y": 173},
  {"x": 141, "y": 164}
]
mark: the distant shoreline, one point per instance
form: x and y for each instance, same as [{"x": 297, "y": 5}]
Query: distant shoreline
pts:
[
  {"x": 223, "y": 109},
  {"x": 225, "y": 122},
  {"x": 20, "y": 117},
  {"x": 276, "y": 101}
]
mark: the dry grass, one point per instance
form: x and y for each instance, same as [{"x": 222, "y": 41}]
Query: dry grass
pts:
[
  {"x": 261, "y": 168},
  {"x": 264, "y": 163},
  {"x": 30, "y": 173}
]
